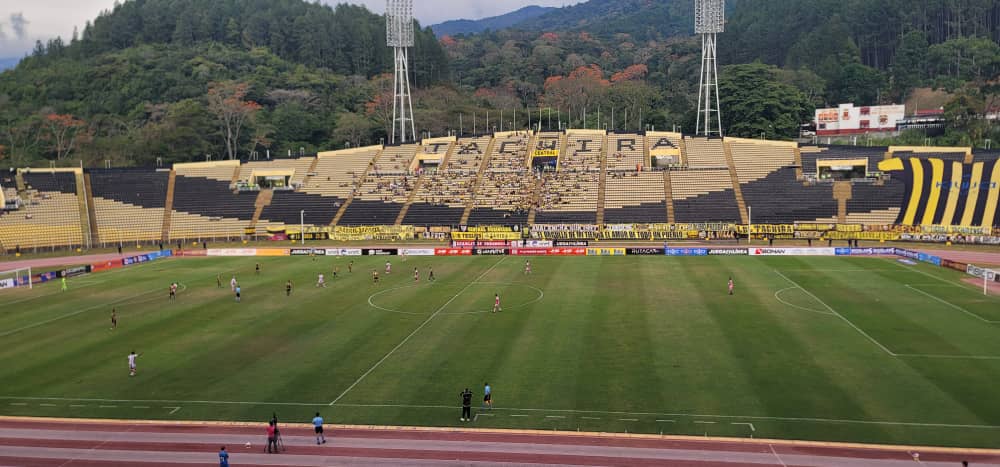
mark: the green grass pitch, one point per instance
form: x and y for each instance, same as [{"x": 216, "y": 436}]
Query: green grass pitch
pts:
[{"x": 844, "y": 349}]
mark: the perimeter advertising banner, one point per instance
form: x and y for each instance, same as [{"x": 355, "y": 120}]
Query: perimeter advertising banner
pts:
[
  {"x": 453, "y": 252},
  {"x": 232, "y": 252},
  {"x": 605, "y": 252},
  {"x": 644, "y": 251},
  {"x": 380, "y": 251},
  {"x": 272, "y": 252},
  {"x": 865, "y": 251},
  {"x": 482, "y": 243},
  {"x": 548, "y": 251},
  {"x": 307, "y": 252},
  {"x": 343, "y": 251},
  {"x": 793, "y": 251},
  {"x": 417, "y": 251},
  {"x": 686, "y": 251},
  {"x": 728, "y": 252},
  {"x": 73, "y": 272},
  {"x": 490, "y": 251}
]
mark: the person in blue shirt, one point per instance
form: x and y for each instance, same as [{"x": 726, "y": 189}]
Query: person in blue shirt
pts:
[
  {"x": 238, "y": 290},
  {"x": 223, "y": 457},
  {"x": 487, "y": 395},
  {"x": 318, "y": 427}
]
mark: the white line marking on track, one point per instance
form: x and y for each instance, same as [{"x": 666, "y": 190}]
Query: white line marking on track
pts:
[
  {"x": 952, "y": 305},
  {"x": 415, "y": 331},
  {"x": 828, "y": 307},
  {"x": 476, "y": 417},
  {"x": 776, "y": 456}
]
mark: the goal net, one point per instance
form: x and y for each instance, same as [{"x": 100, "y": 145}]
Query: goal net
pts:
[
  {"x": 15, "y": 278},
  {"x": 990, "y": 277}
]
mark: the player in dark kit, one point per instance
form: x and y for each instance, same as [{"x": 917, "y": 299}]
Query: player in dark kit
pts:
[
  {"x": 114, "y": 318},
  {"x": 466, "y": 405},
  {"x": 350, "y": 266},
  {"x": 430, "y": 277},
  {"x": 375, "y": 276},
  {"x": 288, "y": 288},
  {"x": 257, "y": 270}
]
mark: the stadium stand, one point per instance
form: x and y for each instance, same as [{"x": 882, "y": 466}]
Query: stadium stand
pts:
[
  {"x": 779, "y": 198},
  {"x": 49, "y": 216},
  {"x": 443, "y": 195},
  {"x": 626, "y": 152},
  {"x": 385, "y": 189},
  {"x": 205, "y": 206},
  {"x": 570, "y": 194},
  {"x": 704, "y": 196},
  {"x": 129, "y": 203},
  {"x": 757, "y": 159},
  {"x": 876, "y": 205},
  {"x": 300, "y": 168},
  {"x": 506, "y": 192},
  {"x": 704, "y": 153},
  {"x": 634, "y": 197}
]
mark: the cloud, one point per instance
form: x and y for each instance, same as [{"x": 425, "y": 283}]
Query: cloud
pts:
[{"x": 19, "y": 25}]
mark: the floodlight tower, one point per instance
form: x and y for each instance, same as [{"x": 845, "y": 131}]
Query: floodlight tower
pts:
[
  {"x": 709, "y": 21},
  {"x": 399, "y": 36}
]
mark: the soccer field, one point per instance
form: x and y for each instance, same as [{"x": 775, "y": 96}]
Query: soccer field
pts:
[{"x": 844, "y": 349}]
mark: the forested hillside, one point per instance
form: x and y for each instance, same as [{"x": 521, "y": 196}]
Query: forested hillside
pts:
[{"x": 166, "y": 79}]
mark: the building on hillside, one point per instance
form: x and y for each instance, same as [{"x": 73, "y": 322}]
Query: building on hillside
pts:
[{"x": 846, "y": 119}]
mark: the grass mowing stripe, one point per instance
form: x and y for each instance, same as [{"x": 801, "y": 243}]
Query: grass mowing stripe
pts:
[
  {"x": 952, "y": 305},
  {"x": 862, "y": 332},
  {"x": 415, "y": 331}
]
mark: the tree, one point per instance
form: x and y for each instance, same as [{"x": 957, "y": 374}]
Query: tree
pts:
[
  {"x": 226, "y": 100},
  {"x": 64, "y": 131},
  {"x": 379, "y": 105},
  {"x": 580, "y": 89},
  {"x": 754, "y": 102},
  {"x": 352, "y": 129},
  {"x": 910, "y": 65}
]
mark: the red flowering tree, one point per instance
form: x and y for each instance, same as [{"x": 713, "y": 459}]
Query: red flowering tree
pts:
[
  {"x": 581, "y": 87},
  {"x": 63, "y": 132}
]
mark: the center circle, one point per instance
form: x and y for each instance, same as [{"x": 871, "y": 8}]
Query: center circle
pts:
[{"x": 513, "y": 296}]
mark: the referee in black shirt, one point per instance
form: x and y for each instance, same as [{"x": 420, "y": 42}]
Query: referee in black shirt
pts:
[{"x": 466, "y": 405}]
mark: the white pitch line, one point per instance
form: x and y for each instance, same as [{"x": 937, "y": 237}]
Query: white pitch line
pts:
[
  {"x": 77, "y": 405},
  {"x": 516, "y": 409},
  {"x": 828, "y": 307},
  {"x": 750, "y": 425},
  {"x": 941, "y": 300},
  {"x": 628, "y": 419},
  {"x": 777, "y": 296},
  {"x": 704, "y": 422},
  {"x": 172, "y": 411},
  {"x": 140, "y": 406},
  {"x": 663, "y": 420},
  {"x": 415, "y": 331},
  {"x": 18, "y": 403},
  {"x": 953, "y": 357},
  {"x": 590, "y": 418},
  {"x": 108, "y": 406},
  {"x": 46, "y": 405}
]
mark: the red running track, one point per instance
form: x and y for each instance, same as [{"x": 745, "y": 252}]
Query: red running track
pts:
[{"x": 52, "y": 442}]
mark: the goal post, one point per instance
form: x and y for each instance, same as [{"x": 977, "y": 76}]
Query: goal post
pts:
[
  {"x": 986, "y": 274},
  {"x": 15, "y": 278}
]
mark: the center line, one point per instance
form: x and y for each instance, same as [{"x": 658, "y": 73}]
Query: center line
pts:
[{"x": 415, "y": 331}]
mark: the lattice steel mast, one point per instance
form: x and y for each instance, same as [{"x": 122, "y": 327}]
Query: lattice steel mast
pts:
[
  {"x": 709, "y": 21},
  {"x": 399, "y": 36}
]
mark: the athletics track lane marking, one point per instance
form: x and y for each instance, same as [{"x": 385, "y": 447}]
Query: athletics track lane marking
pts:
[{"x": 415, "y": 331}]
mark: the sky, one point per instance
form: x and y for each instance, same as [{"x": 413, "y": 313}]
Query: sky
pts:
[{"x": 24, "y": 21}]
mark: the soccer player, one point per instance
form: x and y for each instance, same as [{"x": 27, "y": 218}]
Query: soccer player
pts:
[
  {"x": 375, "y": 276},
  {"x": 496, "y": 303},
  {"x": 318, "y": 428},
  {"x": 64, "y": 287},
  {"x": 238, "y": 290},
  {"x": 288, "y": 288},
  {"x": 257, "y": 269},
  {"x": 336, "y": 271},
  {"x": 487, "y": 396},
  {"x": 218, "y": 280},
  {"x": 131, "y": 362},
  {"x": 232, "y": 284},
  {"x": 350, "y": 267},
  {"x": 321, "y": 281},
  {"x": 527, "y": 267},
  {"x": 431, "y": 276},
  {"x": 416, "y": 275},
  {"x": 114, "y": 319},
  {"x": 731, "y": 285},
  {"x": 466, "y": 405},
  {"x": 223, "y": 457},
  {"x": 388, "y": 267}
]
